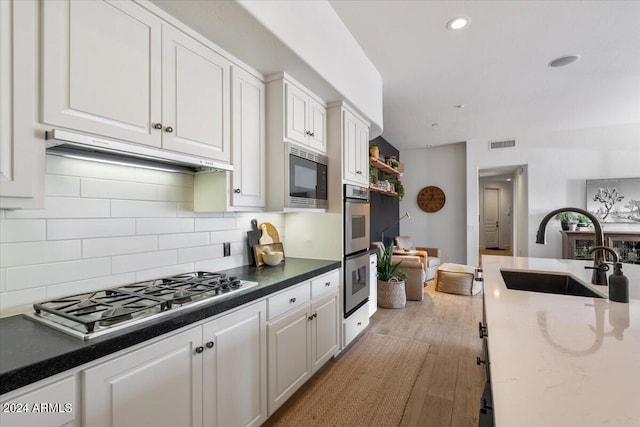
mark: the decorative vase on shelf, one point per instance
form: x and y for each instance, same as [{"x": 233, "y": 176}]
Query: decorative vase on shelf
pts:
[{"x": 374, "y": 152}]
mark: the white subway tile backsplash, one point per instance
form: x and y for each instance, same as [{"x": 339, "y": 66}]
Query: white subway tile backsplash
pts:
[
  {"x": 60, "y": 185},
  {"x": 163, "y": 225},
  {"x": 214, "y": 224},
  {"x": 66, "y": 207},
  {"x": 107, "y": 225},
  {"x": 89, "y": 285},
  {"x": 136, "y": 208},
  {"x": 109, "y": 189},
  {"x": 199, "y": 253},
  {"x": 16, "y": 302},
  {"x": 87, "y": 228},
  {"x": 16, "y": 254},
  {"x": 182, "y": 240},
  {"x": 143, "y": 261},
  {"x": 48, "y": 274},
  {"x": 57, "y": 165},
  {"x": 93, "y": 248},
  {"x": 171, "y": 270},
  {"x": 164, "y": 178},
  {"x": 22, "y": 230}
]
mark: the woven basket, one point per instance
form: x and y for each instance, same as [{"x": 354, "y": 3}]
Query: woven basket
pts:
[{"x": 391, "y": 294}]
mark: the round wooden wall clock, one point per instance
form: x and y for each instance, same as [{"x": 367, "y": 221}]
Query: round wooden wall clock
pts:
[{"x": 431, "y": 199}]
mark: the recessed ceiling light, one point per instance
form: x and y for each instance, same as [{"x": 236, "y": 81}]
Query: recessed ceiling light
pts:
[
  {"x": 429, "y": 145},
  {"x": 435, "y": 125},
  {"x": 458, "y": 23},
  {"x": 460, "y": 106},
  {"x": 564, "y": 60}
]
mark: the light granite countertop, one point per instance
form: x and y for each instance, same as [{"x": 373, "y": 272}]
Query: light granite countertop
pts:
[{"x": 560, "y": 360}]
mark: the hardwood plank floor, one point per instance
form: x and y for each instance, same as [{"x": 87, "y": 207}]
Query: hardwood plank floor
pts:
[{"x": 449, "y": 384}]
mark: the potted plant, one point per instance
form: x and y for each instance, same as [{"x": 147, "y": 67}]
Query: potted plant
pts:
[
  {"x": 391, "y": 292},
  {"x": 583, "y": 221},
  {"x": 566, "y": 218},
  {"x": 374, "y": 151},
  {"x": 374, "y": 175}
]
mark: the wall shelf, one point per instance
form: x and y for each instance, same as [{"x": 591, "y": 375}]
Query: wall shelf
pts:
[
  {"x": 382, "y": 191},
  {"x": 383, "y": 166}
]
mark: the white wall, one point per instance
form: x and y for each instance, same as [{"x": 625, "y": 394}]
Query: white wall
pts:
[
  {"x": 558, "y": 165},
  {"x": 444, "y": 167},
  {"x": 106, "y": 225}
]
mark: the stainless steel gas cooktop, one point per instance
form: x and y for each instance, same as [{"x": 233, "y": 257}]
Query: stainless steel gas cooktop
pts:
[{"x": 97, "y": 313}]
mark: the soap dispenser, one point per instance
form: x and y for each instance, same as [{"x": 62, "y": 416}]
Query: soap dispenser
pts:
[{"x": 618, "y": 285}]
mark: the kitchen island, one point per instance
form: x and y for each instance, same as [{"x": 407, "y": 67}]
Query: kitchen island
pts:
[{"x": 561, "y": 360}]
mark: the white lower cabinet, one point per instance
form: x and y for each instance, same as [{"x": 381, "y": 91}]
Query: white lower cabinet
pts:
[
  {"x": 355, "y": 324},
  {"x": 49, "y": 405},
  {"x": 301, "y": 339},
  {"x": 211, "y": 375}
]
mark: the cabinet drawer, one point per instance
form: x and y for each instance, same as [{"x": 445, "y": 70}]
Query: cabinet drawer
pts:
[
  {"x": 323, "y": 285},
  {"x": 52, "y": 404},
  {"x": 287, "y": 300},
  {"x": 355, "y": 324}
]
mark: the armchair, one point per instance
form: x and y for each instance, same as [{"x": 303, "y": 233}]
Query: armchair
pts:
[
  {"x": 429, "y": 256},
  {"x": 415, "y": 269}
]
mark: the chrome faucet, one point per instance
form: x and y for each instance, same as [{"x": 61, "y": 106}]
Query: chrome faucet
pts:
[{"x": 600, "y": 268}]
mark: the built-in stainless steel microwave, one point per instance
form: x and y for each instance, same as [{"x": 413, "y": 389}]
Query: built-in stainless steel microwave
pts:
[{"x": 307, "y": 183}]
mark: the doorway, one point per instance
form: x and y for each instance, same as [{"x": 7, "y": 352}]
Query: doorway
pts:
[{"x": 502, "y": 198}]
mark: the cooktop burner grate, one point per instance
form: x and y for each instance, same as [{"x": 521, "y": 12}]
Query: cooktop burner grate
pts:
[{"x": 95, "y": 313}]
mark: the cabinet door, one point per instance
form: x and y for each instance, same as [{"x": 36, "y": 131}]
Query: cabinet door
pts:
[
  {"x": 21, "y": 149},
  {"x": 324, "y": 333},
  {"x": 195, "y": 97},
  {"x": 158, "y": 385},
  {"x": 317, "y": 126},
  {"x": 101, "y": 69},
  {"x": 350, "y": 136},
  {"x": 362, "y": 153},
  {"x": 289, "y": 357},
  {"x": 248, "y": 130},
  {"x": 296, "y": 110},
  {"x": 234, "y": 390},
  {"x": 373, "y": 284}
]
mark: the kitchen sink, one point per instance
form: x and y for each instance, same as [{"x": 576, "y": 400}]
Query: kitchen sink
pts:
[{"x": 547, "y": 283}]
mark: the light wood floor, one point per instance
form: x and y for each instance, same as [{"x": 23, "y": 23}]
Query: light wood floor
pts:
[{"x": 449, "y": 384}]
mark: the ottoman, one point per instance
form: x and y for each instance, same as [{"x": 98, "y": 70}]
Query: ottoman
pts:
[{"x": 457, "y": 279}]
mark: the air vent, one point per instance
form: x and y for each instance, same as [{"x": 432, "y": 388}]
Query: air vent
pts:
[{"x": 502, "y": 144}]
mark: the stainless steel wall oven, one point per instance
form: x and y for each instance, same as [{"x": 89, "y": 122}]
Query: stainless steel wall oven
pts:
[{"x": 356, "y": 248}]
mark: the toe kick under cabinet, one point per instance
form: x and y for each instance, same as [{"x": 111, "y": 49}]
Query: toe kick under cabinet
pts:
[{"x": 302, "y": 334}]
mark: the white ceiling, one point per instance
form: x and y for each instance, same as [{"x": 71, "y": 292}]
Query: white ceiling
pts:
[{"x": 497, "y": 66}]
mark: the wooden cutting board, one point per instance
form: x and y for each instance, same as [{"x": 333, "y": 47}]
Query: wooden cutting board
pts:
[{"x": 272, "y": 232}]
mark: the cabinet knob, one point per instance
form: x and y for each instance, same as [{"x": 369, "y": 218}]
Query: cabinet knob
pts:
[
  {"x": 307, "y": 133},
  {"x": 157, "y": 126},
  {"x": 236, "y": 190},
  {"x": 210, "y": 344},
  {"x": 199, "y": 349},
  {"x": 359, "y": 172},
  {"x": 292, "y": 300},
  {"x": 480, "y": 361},
  {"x": 312, "y": 134},
  {"x": 327, "y": 284},
  {"x": 359, "y": 323},
  {"x": 311, "y": 317},
  {"x": 168, "y": 129}
]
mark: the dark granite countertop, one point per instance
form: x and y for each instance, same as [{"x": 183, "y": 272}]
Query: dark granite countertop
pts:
[{"x": 30, "y": 352}]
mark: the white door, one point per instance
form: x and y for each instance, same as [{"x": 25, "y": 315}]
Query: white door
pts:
[
  {"x": 317, "y": 126},
  {"x": 296, "y": 110},
  {"x": 324, "y": 334},
  {"x": 195, "y": 97},
  {"x": 248, "y": 140},
  {"x": 157, "y": 385},
  {"x": 289, "y": 357},
  {"x": 234, "y": 368},
  {"x": 490, "y": 211},
  {"x": 101, "y": 69}
]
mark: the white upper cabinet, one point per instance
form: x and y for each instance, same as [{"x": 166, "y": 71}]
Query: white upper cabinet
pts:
[
  {"x": 116, "y": 70},
  {"x": 102, "y": 69},
  {"x": 248, "y": 136},
  {"x": 355, "y": 140},
  {"x": 195, "y": 97},
  {"x": 305, "y": 117},
  {"x": 21, "y": 149}
]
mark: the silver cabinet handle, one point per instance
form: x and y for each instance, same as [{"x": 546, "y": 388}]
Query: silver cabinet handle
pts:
[
  {"x": 168, "y": 129},
  {"x": 157, "y": 126},
  {"x": 236, "y": 190},
  {"x": 199, "y": 349},
  {"x": 210, "y": 344}
]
